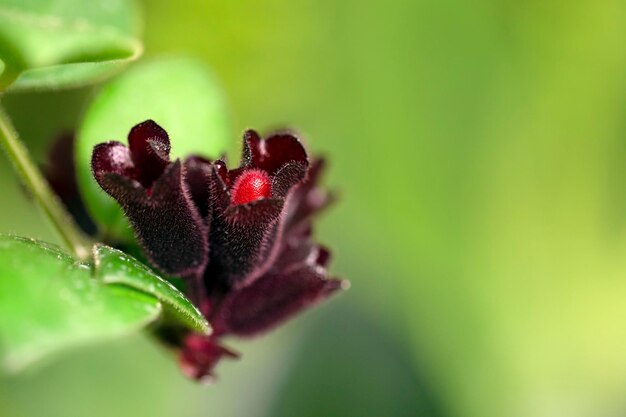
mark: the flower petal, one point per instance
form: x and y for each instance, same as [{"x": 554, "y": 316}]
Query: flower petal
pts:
[
  {"x": 198, "y": 180},
  {"x": 251, "y": 147},
  {"x": 270, "y": 154},
  {"x": 286, "y": 177},
  {"x": 166, "y": 224},
  {"x": 241, "y": 237},
  {"x": 173, "y": 233},
  {"x": 280, "y": 149},
  {"x": 272, "y": 299},
  {"x": 112, "y": 157},
  {"x": 149, "y": 147},
  {"x": 200, "y": 354},
  {"x": 219, "y": 194},
  {"x": 299, "y": 253},
  {"x": 307, "y": 199}
]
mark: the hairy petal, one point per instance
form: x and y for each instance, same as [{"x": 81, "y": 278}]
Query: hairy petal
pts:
[
  {"x": 272, "y": 299},
  {"x": 112, "y": 157},
  {"x": 251, "y": 147},
  {"x": 198, "y": 180},
  {"x": 307, "y": 199},
  {"x": 281, "y": 149},
  {"x": 199, "y": 355},
  {"x": 166, "y": 224},
  {"x": 149, "y": 147},
  {"x": 271, "y": 154},
  {"x": 298, "y": 253},
  {"x": 287, "y": 177},
  {"x": 219, "y": 194},
  {"x": 241, "y": 237}
]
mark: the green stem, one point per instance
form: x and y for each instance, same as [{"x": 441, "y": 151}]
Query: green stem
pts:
[{"x": 69, "y": 232}]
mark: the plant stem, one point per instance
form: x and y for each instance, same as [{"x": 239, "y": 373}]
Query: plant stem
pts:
[{"x": 69, "y": 232}]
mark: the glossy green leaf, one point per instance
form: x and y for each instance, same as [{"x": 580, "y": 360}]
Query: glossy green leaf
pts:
[
  {"x": 48, "y": 302},
  {"x": 64, "y": 43},
  {"x": 179, "y": 94},
  {"x": 115, "y": 267}
]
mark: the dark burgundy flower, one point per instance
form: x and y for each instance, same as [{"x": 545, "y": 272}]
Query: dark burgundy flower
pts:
[
  {"x": 240, "y": 238},
  {"x": 199, "y": 354},
  {"x": 153, "y": 195},
  {"x": 60, "y": 171}
]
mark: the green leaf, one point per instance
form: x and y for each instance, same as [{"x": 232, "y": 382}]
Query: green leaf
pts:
[
  {"x": 115, "y": 267},
  {"x": 178, "y": 93},
  {"x": 65, "y": 43},
  {"x": 48, "y": 302}
]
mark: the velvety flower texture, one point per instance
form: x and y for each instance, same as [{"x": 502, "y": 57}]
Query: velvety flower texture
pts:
[{"x": 240, "y": 238}]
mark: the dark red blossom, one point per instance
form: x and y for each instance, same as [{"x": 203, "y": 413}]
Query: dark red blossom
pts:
[
  {"x": 60, "y": 171},
  {"x": 153, "y": 195},
  {"x": 240, "y": 238},
  {"x": 199, "y": 355}
]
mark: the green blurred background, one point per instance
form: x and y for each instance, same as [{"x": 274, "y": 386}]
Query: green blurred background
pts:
[{"x": 480, "y": 151}]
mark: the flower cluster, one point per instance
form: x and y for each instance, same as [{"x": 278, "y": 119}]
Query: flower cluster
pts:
[{"x": 239, "y": 238}]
